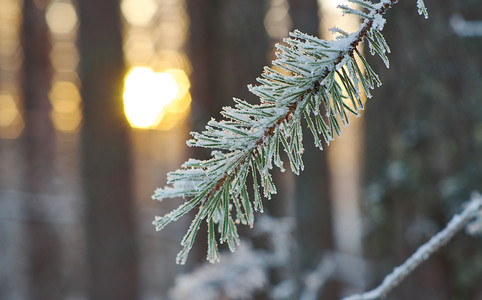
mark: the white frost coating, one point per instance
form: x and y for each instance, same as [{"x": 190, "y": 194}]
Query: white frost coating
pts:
[
  {"x": 475, "y": 227},
  {"x": 422, "y": 9},
  {"x": 311, "y": 75},
  {"x": 392, "y": 280},
  {"x": 379, "y": 22}
]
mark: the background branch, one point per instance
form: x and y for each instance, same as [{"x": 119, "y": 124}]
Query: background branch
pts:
[{"x": 399, "y": 273}]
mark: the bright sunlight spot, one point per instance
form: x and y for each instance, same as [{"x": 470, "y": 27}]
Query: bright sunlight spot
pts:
[{"x": 146, "y": 94}]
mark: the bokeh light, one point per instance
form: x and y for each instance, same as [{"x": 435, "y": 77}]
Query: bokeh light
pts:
[
  {"x": 139, "y": 12},
  {"x": 61, "y": 17},
  {"x": 66, "y": 121},
  {"x": 155, "y": 34},
  {"x": 169, "y": 59},
  {"x": 175, "y": 112},
  {"x": 278, "y": 21},
  {"x": 145, "y": 95},
  {"x": 139, "y": 47},
  {"x": 182, "y": 81},
  {"x": 11, "y": 57},
  {"x": 11, "y": 121},
  {"x": 64, "y": 56},
  {"x": 66, "y": 106},
  {"x": 66, "y": 112},
  {"x": 178, "y": 109},
  {"x": 8, "y": 110}
]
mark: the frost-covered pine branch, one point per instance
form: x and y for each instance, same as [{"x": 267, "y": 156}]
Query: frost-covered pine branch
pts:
[
  {"x": 310, "y": 77},
  {"x": 457, "y": 223}
]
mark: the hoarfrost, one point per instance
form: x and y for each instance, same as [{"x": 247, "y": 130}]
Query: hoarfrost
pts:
[{"x": 310, "y": 75}]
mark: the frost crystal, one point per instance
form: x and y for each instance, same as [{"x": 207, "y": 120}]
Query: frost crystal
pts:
[{"x": 422, "y": 9}]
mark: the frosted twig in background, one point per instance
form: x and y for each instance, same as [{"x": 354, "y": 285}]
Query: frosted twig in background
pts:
[
  {"x": 315, "y": 280},
  {"x": 465, "y": 28},
  {"x": 458, "y": 222},
  {"x": 240, "y": 276},
  {"x": 475, "y": 227},
  {"x": 237, "y": 277}
]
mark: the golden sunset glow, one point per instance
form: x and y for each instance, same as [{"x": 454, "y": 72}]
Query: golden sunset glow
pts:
[
  {"x": 11, "y": 122},
  {"x": 66, "y": 111},
  {"x": 8, "y": 110},
  {"x": 147, "y": 93}
]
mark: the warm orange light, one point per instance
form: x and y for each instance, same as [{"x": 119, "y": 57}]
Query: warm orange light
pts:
[
  {"x": 64, "y": 56},
  {"x": 64, "y": 96},
  {"x": 139, "y": 47},
  {"x": 8, "y": 110},
  {"x": 277, "y": 21},
  {"x": 68, "y": 121},
  {"x": 178, "y": 109},
  {"x": 175, "y": 112},
  {"x": 11, "y": 122},
  {"x": 182, "y": 81},
  {"x": 66, "y": 112},
  {"x": 146, "y": 94},
  {"x": 169, "y": 59}
]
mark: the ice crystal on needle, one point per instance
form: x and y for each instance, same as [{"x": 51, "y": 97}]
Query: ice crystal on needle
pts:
[{"x": 313, "y": 79}]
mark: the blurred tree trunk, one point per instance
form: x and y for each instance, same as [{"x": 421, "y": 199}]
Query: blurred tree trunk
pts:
[
  {"x": 110, "y": 211},
  {"x": 424, "y": 148},
  {"x": 205, "y": 52},
  {"x": 43, "y": 244},
  {"x": 227, "y": 48},
  {"x": 313, "y": 209},
  {"x": 304, "y": 14}
]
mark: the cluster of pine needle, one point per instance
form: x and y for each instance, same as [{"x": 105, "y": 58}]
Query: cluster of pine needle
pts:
[{"x": 313, "y": 80}]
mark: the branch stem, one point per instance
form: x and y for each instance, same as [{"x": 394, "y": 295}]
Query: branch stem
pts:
[
  {"x": 362, "y": 32},
  {"x": 399, "y": 273}
]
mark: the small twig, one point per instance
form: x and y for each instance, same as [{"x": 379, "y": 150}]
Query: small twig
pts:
[
  {"x": 315, "y": 281},
  {"x": 393, "y": 279}
]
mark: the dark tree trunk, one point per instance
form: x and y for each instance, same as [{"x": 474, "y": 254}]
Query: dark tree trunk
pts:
[
  {"x": 110, "y": 211},
  {"x": 204, "y": 51},
  {"x": 312, "y": 199},
  {"x": 227, "y": 48},
  {"x": 424, "y": 151},
  {"x": 43, "y": 244},
  {"x": 304, "y": 14}
]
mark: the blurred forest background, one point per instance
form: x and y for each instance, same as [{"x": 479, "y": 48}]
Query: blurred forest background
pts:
[{"x": 97, "y": 98}]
